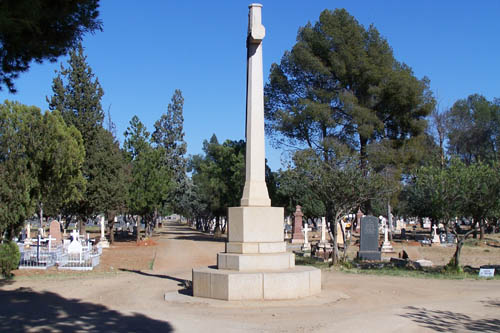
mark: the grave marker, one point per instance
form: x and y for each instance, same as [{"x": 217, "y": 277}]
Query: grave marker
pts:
[
  {"x": 55, "y": 232},
  {"x": 368, "y": 242}
]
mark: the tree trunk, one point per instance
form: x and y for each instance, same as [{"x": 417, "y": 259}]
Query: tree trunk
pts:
[
  {"x": 481, "y": 229},
  {"x": 111, "y": 224},
  {"x": 456, "y": 256}
]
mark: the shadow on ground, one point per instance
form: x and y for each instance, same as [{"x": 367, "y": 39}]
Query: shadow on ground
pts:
[
  {"x": 448, "y": 321},
  {"x": 187, "y": 285},
  {"x": 25, "y": 310}
]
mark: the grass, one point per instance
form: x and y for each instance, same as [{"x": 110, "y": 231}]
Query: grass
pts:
[
  {"x": 432, "y": 273},
  {"x": 151, "y": 264},
  {"x": 310, "y": 261}
]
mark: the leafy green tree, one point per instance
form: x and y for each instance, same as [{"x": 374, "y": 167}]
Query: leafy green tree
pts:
[
  {"x": 37, "y": 30},
  {"x": 456, "y": 190},
  {"x": 341, "y": 83},
  {"x": 482, "y": 188},
  {"x": 151, "y": 179},
  {"x": 18, "y": 180},
  {"x": 339, "y": 184},
  {"x": 473, "y": 129},
  {"x": 77, "y": 96},
  {"x": 219, "y": 176},
  {"x": 46, "y": 154},
  {"x": 59, "y": 158}
]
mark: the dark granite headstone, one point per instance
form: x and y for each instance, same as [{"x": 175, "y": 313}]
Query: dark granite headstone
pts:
[
  {"x": 368, "y": 242},
  {"x": 450, "y": 238}
]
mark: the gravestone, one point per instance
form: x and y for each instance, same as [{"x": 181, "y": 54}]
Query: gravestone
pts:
[
  {"x": 368, "y": 242},
  {"x": 450, "y": 238},
  {"x": 75, "y": 247},
  {"x": 297, "y": 235},
  {"x": 55, "y": 232}
]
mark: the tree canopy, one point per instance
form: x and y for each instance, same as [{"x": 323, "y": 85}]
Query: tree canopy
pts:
[
  {"x": 38, "y": 30},
  {"x": 341, "y": 83}
]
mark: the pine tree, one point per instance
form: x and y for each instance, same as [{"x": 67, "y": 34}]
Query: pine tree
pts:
[
  {"x": 169, "y": 134},
  {"x": 77, "y": 96}
]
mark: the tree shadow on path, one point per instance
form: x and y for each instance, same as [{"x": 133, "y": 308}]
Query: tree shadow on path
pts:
[
  {"x": 187, "y": 285},
  {"x": 447, "y": 321},
  {"x": 25, "y": 310}
]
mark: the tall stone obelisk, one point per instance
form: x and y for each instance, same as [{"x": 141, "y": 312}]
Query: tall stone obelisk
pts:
[
  {"x": 255, "y": 190},
  {"x": 255, "y": 264}
]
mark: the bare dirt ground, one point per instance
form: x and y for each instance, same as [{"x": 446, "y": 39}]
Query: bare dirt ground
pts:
[{"x": 126, "y": 294}]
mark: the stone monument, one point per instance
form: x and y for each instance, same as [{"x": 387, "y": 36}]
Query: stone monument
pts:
[
  {"x": 297, "y": 235},
  {"x": 255, "y": 264},
  {"x": 387, "y": 246},
  {"x": 368, "y": 241},
  {"x": 306, "y": 247},
  {"x": 55, "y": 232},
  {"x": 103, "y": 242},
  {"x": 435, "y": 238}
]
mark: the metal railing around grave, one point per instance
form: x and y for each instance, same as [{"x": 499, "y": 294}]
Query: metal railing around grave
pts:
[{"x": 40, "y": 257}]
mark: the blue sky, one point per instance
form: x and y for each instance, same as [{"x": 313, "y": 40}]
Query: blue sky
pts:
[{"x": 150, "y": 48}]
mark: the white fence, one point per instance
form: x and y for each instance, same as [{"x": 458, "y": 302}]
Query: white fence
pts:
[{"x": 40, "y": 257}]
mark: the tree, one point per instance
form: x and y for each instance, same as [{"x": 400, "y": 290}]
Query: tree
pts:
[
  {"x": 109, "y": 170},
  {"x": 41, "y": 164},
  {"x": 474, "y": 129},
  {"x": 340, "y": 82},
  {"x": 219, "y": 176},
  {"x": 59, "y": 157},
  {"x": 17, "y": 178},
  {"x": 169, "y": 134},
  {"x": 151, "y": 179},
  {"x": 77, "y": 96},
  {"x": 456, "y": 190},
  {"x": 37, "y": 30},
  {"x": 339, "y": 184}
]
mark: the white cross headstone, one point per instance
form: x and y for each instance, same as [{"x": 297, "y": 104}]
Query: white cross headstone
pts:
[
  {"x": 386, "y": 246},
  {"x": 305, "y": 230},
  {"x": 50, "y": 238},
  {"x": 435, "y": 238}
]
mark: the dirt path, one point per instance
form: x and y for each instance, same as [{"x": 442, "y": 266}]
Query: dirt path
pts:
[{"x": 132, "y": 299}]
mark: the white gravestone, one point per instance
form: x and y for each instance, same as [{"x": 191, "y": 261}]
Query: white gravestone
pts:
[
  {"x": 386, "y": 246},
  {"x": 75, "y": 247},
  {"x": 103, "y": 243},
  {"x": 435, "y": 238},
  {"x": 307, "y": 246}
]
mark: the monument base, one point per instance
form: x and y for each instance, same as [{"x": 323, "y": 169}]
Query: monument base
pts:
[
  {"x": 103, "y": 243},
  {"x": 231, "y": 285},
  {"x": 370, "y": 255},
  {"x": 387, "y": 247},
  {"x": 297, "y": 241}
]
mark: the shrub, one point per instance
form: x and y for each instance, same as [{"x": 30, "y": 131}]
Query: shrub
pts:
[{"x": 9, "y": 258}]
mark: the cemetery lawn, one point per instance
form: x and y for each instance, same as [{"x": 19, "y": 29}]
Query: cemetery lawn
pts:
[{"x": 127, "y": 292}]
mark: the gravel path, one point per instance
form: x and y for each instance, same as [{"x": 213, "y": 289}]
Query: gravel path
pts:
[{"x": 133, "y": 300}]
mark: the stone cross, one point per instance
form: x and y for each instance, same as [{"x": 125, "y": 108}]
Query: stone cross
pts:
[
  {"x": 255, "y": 191},
  {"x": 75, "y": 235},
  {"x": 386, "y": 246},
  {"x": 50, "y": 238},
  {"x": 305, "y": 230}
]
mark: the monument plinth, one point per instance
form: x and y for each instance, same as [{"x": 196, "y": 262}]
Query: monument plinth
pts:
[{"x": 255, "y": 264}]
